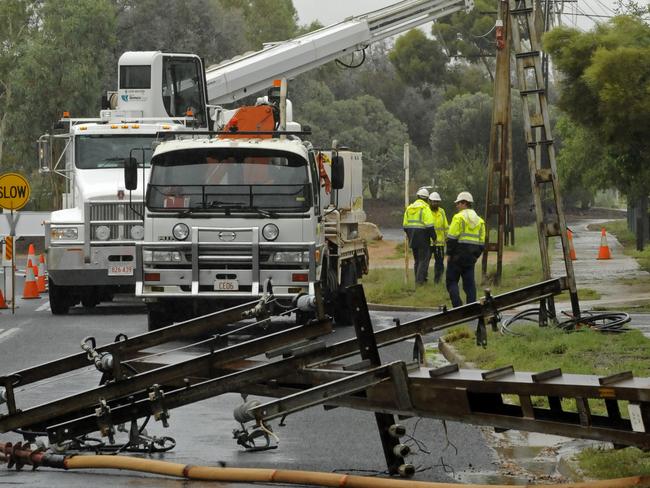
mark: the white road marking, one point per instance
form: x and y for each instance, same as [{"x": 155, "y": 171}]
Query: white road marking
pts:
[
  {"x": 8, "y": 333},
  {"x": 44, "y": 308}
]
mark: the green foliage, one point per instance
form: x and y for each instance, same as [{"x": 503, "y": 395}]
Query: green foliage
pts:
[
  {"x": 467, "y": 173},
  {"x": 583, "y": 163},
  {"x": 57, "y": 71},
  {"x": 462, "y": 127},
  {"x": 204, "y": 27},
  {"x": 466, "y": 78},
  {"x": 418, "y": 59},
  {"x": 605, "y": 89},
  {"x": 362, "y": 124},
  {"x": 469, "y": 35},
  {"x": 266, "y": 20}
]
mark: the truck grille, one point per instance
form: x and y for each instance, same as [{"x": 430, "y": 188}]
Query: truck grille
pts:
[{"x": 117, "y": 212}]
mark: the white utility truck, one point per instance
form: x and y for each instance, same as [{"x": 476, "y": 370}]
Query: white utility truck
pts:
[
  {"x": 229, "y": 217},
  {"x": 91, "y": 241}
]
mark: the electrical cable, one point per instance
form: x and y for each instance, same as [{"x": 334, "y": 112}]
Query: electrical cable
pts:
[
  {"x": 599, "y": 321},
  {"x": 353, "y": 66},
  {"x": 487, "y": 33}
]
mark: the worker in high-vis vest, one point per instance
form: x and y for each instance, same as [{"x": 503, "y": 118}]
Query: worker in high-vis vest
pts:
[
  {"x": 465, "y": 244},
  {"x": 441, "y": 225},
  {"x": 420, "y": 230}
]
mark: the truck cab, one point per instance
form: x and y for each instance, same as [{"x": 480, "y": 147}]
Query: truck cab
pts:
[
  {"x": 227, "y": 219},
  {"x": 90, "y": 241}
]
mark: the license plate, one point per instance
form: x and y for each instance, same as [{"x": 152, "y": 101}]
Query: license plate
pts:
[
  {"x": 226, "y": 285},
  {"x": 120, "y": 270}
]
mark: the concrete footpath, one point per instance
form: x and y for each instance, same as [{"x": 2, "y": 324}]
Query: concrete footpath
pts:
[{"x": 600, "y": 275}]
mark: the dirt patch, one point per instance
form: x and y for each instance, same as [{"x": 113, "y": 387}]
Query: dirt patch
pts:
[{"x": 384, "y": 254}]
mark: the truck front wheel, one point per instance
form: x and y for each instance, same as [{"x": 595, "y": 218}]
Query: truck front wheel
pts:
[
  {"x": 336, "y": 300},
  {"x": 59, "y": 298}
]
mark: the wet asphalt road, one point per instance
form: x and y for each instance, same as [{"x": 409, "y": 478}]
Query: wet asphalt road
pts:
[{"x": 340, "y": 439}]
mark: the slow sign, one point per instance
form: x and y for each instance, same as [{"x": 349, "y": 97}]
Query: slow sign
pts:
[{"x": 14, "y": 191}]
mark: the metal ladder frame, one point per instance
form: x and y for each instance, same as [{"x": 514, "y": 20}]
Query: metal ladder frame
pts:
[{"x": 549, "y": 211}]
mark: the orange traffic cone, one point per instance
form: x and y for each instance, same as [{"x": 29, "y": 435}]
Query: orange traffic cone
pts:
[
  {"x": 572, "y": 250},
  {"x": 603, "y": 252},
  {"x": 40, "y": 280},
  {"x": 3, "y": 304},
  {"x": 31, "y": 254},
  {"x": 30, "y": 290}
]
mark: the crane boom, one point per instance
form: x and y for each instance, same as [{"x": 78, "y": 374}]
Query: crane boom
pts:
[{"x": 250, "y": 73}]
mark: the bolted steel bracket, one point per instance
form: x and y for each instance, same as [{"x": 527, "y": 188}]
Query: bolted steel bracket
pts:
[
  {"x": 158, "y": 410},
  {"x": 104, "y": 421}
]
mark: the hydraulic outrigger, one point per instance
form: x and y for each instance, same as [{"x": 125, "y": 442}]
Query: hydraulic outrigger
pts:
[{"x": 301, "y": 369}]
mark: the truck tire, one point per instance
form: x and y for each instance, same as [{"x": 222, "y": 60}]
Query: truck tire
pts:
[
  {"x": 59, "y": 299},
  {"x": 90, "y": 300},
  {"x": 342, "y": 312},
  {"x": 157, "y": 317}
]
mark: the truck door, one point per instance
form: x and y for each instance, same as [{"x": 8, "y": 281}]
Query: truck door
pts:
[{"x": 183, "y": 88}]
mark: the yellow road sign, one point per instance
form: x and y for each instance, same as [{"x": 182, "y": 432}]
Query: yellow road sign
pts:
[{"x": 14, "y": 191}]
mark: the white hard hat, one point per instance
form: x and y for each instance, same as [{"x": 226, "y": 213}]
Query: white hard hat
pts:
[
  {"x": 435, "y": 197},
  {"x": 423, "y": 193},
  {"x": 464, "y": 195}
]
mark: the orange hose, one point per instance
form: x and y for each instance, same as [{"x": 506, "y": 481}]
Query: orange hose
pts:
[{"x": 314, "y": 478}]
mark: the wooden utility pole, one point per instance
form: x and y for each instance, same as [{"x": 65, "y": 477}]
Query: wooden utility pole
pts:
[
  {"x": 499, "y": 199},
  {"x": 406, "y": 204}
]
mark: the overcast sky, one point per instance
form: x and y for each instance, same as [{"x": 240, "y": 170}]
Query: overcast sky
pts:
[{"x": 581, "y": 14}]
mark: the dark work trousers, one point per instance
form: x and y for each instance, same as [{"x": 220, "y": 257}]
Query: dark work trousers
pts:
[
  {"x": 421, "y": 257},
  {"x": 454, "y": 273},
  {"x": 439, "y": 262}
]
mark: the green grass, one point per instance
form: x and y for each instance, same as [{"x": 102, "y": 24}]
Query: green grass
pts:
[
  {"x": 627, "y": 240},
  {"x": 543, "y": 348},
  {"x": 583, "y": 294},
  {"x": 608, "y": 463},
  {"x": 386, "y": 285}
]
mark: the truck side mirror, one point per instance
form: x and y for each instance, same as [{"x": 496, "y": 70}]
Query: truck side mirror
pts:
[
  {"x": 130, "y": 173},
  {"x": 44, "y": 154},
  {"x": 338, "y": 173}
]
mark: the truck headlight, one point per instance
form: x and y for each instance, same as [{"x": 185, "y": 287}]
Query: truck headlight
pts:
[
  {"x": 137, "y": 232},
  {"x": 180, "y": 231},
  {"x": 166, "y": 256},
  {"x": 270, "y": 232},
  {"x": 291, "y": 257},
  {"x": 64, "y": 233},
  {"x": 103, "y": 233}
]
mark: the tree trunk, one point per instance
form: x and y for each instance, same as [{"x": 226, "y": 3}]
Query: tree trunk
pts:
[
  {"x": 2, "y": 133},
  {"x": 373, "y": 187},
  {"x": 641, "y": 222}
]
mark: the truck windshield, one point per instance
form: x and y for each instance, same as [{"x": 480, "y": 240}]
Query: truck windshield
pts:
[
  {"x": 109, "y": 151},
  {"x": 229, "y": 180}
]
